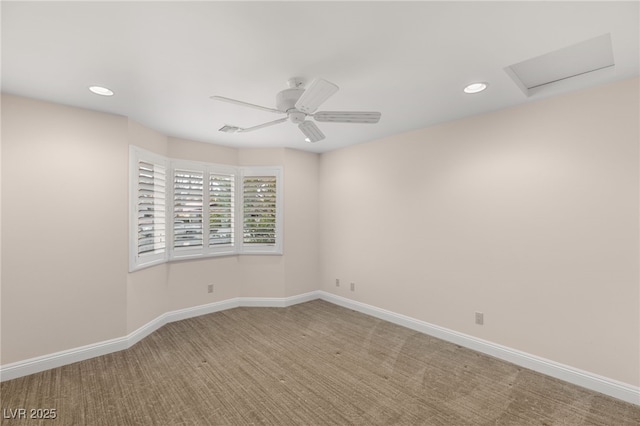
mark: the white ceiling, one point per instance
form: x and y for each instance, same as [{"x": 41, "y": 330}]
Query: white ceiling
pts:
[{"x": 408, "y": 60}]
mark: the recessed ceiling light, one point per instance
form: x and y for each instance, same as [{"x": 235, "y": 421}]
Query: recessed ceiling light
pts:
[
  {"x": 475, "y": 87},
  {"x": 307, "y": 140},
  {"x": 103, "y": 91}
]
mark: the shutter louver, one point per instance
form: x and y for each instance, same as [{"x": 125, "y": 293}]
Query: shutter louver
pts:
[
  {"x": 221, "y": 209},
  {"x": 259, "y": 208},
  {"x": 151, "y": 220},
  {"x": 188, "y": 196}
]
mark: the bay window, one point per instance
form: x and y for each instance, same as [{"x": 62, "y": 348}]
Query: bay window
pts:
[{"x": 213, "y": 209}]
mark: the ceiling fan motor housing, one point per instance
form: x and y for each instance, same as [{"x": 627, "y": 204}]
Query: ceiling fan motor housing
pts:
[
  {"x": 287, "y": 99},
  {"x": 299, "y": 103}
]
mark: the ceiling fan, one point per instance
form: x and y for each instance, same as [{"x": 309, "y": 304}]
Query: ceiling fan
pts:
[{"x": 299, "y": 103}]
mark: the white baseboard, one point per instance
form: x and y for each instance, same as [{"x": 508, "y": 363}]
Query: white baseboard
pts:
[
  {"x": 278, "y": 302},
  {"x": 616, "y": 389},
  {"x": 569, "y": 374},
  {"x": 58, "y": 359}
]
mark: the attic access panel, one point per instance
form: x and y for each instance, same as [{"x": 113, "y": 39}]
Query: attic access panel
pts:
[{"x": 579, "y": 59}]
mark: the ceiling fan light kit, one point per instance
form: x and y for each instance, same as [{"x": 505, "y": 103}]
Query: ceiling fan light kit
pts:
[
  {"x": 311, "y": 131},
  {"x": 299, "y": 103}
]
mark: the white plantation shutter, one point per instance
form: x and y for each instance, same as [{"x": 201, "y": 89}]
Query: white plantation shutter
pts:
[
  {"x": 203, "y": 209},
  {"x": 221, "y": 209},
  {"x": 148, "y": 218},
  {"x": 259, "y": 199},
  {"x": 188, "y": 209},
  {"x": 261, "y": 211},
  {"x": 151, "y": 207}
]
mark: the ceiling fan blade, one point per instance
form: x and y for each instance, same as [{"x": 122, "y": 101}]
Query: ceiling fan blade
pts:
[
  {"x": 260, "y": 126},
  {"x": 311, "y": 131},
  {"x": 247, "y": 104},
  {"x": 347, "y": 116},
  {"x": 318, "y": 92}
]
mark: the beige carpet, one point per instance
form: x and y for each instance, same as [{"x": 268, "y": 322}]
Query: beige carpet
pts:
[{"x": 309, "y": 364}]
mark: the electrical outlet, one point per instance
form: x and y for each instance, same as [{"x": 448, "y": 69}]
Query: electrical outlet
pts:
[
  {"x": 337, "y": 282},
  {"x": 479, "y": 318},
  {"x": 353, "y": 286},
  {"x": 210, "y": 288}
]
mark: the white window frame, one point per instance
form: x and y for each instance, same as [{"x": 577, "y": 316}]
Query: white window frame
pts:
[{"x": 171, "y": 253}]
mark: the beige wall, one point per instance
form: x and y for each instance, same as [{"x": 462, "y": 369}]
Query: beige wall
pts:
[
  {"x": 263, "y": 276},
  {"x": 76, "y": 290},
  {"x": 188, "y": 280},
  {"x": 197, "y": 151},
  {"x": 301, "y": 223},
  {"x": 148, "y": 289},
  {"x": 64, "y": 222},
  {"x": 529, "y": 215},
  {"x": 0, "y": 230}
]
